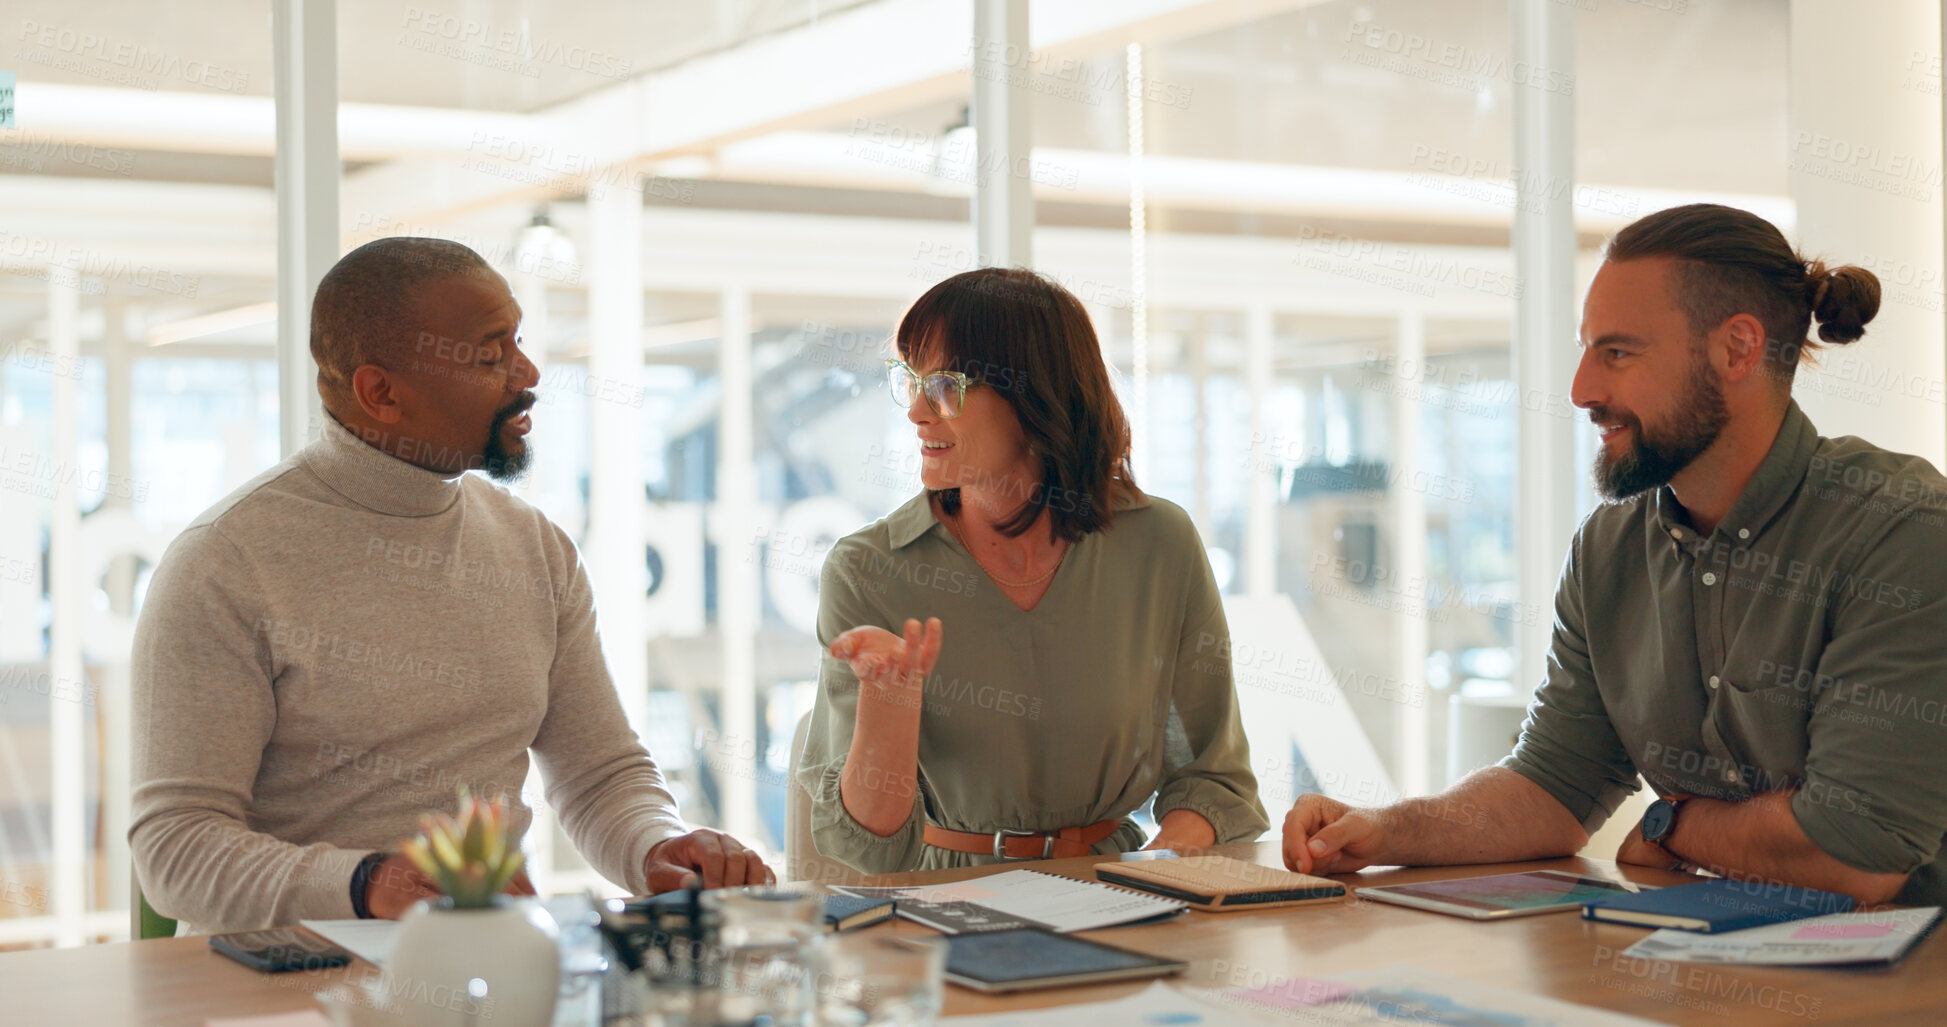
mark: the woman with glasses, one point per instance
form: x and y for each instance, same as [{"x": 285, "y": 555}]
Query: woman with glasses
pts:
[{"x": 1027, "y": 651}]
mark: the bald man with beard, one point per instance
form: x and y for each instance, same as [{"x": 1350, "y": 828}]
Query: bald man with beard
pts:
[{"x": 341, "y": 644}]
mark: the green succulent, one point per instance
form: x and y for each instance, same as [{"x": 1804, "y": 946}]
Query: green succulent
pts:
[{"x": 468, "y": 858}]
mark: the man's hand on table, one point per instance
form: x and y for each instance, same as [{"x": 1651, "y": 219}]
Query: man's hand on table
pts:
[
  {"x": 1325, "y": 836},
  {"x": 396, "y": 884},
  {"x": 1183, "y": 830},
  {"x": 710, "y": 858},
  {"x": 1634, "y": 850}
]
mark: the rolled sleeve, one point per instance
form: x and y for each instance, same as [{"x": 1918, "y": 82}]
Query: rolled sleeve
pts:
[
  {"x": 834, "y": 833},
  {"x": 1568, "y": 745},
  {"x": 1875, "y": 756},
  {"x": 1217, "y": 781}
]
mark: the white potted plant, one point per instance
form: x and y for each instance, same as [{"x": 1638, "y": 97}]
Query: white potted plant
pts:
[{"x": 474, "y": 955}]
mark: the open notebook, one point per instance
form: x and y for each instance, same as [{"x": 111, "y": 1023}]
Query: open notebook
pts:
[{"x": 1021, "y": 898}]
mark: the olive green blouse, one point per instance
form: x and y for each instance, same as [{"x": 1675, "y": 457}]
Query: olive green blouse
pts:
[{"x": 1072, "y": 713}]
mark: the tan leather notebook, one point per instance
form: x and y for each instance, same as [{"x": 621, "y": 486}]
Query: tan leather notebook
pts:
[{"x": 1220, "y": 884}]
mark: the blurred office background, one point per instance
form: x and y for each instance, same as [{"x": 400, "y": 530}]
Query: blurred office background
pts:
[{"x": 1334, "y": 251}]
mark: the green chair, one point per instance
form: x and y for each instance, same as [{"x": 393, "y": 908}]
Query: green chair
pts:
[{"x": 144, "y": 921}]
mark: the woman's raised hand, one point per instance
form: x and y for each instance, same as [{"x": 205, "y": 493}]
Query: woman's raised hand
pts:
[{"x": 892, "y": 667}]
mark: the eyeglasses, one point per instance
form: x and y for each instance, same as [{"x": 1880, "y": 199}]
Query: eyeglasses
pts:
[{"x": 946, "y": 391}]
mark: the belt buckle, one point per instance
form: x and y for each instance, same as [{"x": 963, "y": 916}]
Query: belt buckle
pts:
[{"x": 1000, "y": 845}]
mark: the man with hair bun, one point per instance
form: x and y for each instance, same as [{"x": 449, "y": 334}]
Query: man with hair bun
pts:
[
  {"x": 1753, "y": 622},
  {"x": 338, "y": 646}
]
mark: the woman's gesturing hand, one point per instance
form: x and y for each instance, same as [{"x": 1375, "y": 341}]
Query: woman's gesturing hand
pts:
[{"x": 890, "y": 667}]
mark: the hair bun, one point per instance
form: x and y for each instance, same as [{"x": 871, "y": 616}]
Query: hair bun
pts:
[{"x": 1843, "y": 300}]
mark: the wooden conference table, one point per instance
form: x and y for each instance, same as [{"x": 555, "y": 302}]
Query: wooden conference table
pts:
[{"x": 1560, "y": 955}]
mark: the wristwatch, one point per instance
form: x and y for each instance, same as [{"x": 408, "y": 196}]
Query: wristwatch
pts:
[{"x": 1660, "y": 821}]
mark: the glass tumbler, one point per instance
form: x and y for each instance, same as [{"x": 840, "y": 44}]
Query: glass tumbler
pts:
[
  {"x": 767, "y": 954},
  {"x": 882, "y": 981}
]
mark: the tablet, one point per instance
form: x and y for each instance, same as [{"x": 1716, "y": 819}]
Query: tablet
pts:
[
  {"x": 1502, "y": 895},
  {"x": 1025, "y": 958}
]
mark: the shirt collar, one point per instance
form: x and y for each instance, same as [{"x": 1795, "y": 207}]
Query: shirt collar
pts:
[
  {"x": 914, "y": 517},
  {"x": 376, "y": 480},
  {"x": 1764, "y": 496}
]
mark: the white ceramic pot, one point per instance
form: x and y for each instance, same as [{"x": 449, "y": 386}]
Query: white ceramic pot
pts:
[{"x": 458, "y": 967}]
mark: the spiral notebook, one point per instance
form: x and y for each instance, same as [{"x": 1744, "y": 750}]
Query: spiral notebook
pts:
[{"x": 1020, "y": 898}]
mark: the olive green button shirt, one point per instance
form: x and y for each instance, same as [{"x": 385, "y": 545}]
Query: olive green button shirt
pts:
[
  {"x": 1069, "y": 714},
  {"x": 1801, "y": 645}
]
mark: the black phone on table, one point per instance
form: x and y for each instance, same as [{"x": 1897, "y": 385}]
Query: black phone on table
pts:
[{"x": 280, "y": 949}]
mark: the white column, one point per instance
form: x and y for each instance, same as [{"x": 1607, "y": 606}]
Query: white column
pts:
[
  {"x": 304, "y": 58},
  {"x": 617, "y": 564},
  {"x": 737, "y": 598},
  {"x": 66, "y": 590},
  {"x": 1261, "y": 510},
  {"x": 1865, "y": 160},
  {"x": 1545, "y": 321},
  {"x": 115, "y": 706},
  {"x": 1407, "y": 509},
  {"x": 1003, "y": 204}
]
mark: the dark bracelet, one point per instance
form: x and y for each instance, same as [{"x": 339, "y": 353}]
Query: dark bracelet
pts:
[{"x": 362, "y": 881}]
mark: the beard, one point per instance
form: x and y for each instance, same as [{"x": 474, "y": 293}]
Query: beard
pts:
[
  {"x": 500, "y": 463},
  {"x": 1653, "y": 458}
]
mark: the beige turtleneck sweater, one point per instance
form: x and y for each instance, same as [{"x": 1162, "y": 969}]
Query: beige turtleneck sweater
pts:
[{"x": 332, "y": 651}]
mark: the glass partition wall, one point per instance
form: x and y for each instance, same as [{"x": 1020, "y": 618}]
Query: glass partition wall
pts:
[{"x": 1290, "y": 223}]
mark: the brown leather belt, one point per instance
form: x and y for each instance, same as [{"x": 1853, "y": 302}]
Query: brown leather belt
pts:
[{"x": 1006, "y": 845}]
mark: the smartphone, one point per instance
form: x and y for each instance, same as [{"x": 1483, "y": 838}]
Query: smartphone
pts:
[{"x": 280, "y": 949}]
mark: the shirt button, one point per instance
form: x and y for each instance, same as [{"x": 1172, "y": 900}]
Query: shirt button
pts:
[
  {"x": 1744, "y": 533},
  {"x": 1713, "y": 681},
  {"x": 1710, "y": 577},
  {"x": 1677, "y": 534},
  {"x": 1730, "y": 777}
]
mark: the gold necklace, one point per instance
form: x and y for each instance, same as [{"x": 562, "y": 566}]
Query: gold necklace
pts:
[{"x": 998, "y": 580}]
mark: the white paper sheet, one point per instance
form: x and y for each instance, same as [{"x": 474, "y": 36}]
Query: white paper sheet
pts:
[
  {"x": 1062, "y": 904},
  {"x": 370, "y": 940},
  {"x": 1840, "y": 939}
]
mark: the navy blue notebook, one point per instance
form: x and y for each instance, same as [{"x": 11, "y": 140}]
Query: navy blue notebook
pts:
[
  {"x": 1717, "y": 905},
  {"x": 849, "y": 912}
]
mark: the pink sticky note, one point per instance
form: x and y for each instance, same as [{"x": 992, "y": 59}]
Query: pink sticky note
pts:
[
  {"x": 1839, "y": 932},
  {"x": 1293, "y": 993}
]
